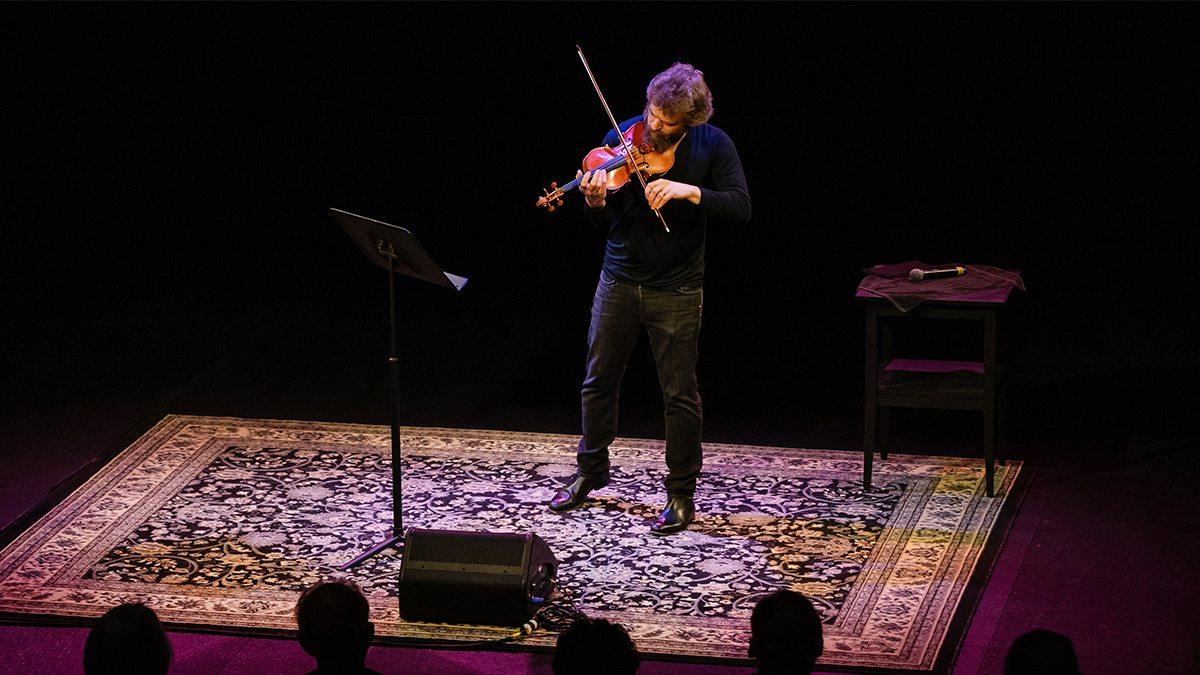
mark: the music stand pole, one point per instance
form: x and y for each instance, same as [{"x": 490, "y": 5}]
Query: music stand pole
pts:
[
  {"x": 397, "y": 538},
  {"x": 383, "y": 242},
  {"x": 394, "y": 364}
]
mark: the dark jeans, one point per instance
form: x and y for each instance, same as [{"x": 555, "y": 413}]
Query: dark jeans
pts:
[{"x": 672, "y": 319}]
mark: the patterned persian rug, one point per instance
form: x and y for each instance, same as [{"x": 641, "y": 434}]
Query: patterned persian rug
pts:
[{"x": 219, "y": 523}]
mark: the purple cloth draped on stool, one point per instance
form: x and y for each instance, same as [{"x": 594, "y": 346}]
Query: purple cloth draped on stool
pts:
[{"x": 981, "y": 283}]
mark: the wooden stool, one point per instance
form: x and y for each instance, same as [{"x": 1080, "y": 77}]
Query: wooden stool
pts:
[{"x": 955, "y": 385}]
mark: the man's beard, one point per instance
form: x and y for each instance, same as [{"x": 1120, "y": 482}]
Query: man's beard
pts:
[{"x": 660, "y": 141}]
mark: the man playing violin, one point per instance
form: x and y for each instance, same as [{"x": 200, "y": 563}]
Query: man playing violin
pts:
[{"x": 653, "y": 279}]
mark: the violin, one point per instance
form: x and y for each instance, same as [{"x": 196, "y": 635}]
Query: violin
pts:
[
  {"x": 619, "y": 164},
  {"x": 635, "y": 157}
]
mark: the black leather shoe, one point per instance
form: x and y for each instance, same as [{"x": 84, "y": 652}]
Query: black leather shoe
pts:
[
  {"x": 571, "y": 496},
  {"x": 676, "y": 516}
]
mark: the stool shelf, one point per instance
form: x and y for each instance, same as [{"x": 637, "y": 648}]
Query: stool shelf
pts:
[{"x": 929, "y": 383}]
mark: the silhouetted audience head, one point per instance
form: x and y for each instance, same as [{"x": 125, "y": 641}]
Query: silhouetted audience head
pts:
[
  {"x": 1041, "y": 652},
  {"x": 785, "y": 634},
  {"x": 128, "y": 639},
  {"x": 594, "y": 646},
  {"x": 335, "y": 626}
]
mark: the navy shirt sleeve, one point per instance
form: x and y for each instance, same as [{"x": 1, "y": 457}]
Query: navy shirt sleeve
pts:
[{"x": 728, "y": 198}]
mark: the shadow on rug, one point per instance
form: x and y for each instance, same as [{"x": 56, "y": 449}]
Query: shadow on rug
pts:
[{"x": 219, "y": 523}]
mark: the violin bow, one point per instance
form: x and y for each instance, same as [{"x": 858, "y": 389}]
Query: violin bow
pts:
[{"x": 617, "y": 128}]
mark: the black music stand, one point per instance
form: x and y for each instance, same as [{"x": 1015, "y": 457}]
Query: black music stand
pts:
[{"x": 394, "y": 249}]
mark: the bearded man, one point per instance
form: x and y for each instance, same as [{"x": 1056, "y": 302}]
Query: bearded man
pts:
[{"x": 653, "y": 279}]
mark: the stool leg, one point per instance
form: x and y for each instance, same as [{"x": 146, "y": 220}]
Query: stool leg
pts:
[
  {"x": 989, "y": 396},
  {"x": 989, "y": 445},
  {"x": 1001, "y": 425},
  {"x": 868, "y": 443},
  {"x": 885, "y": 431},
  {"x": 871, "y": 382}
]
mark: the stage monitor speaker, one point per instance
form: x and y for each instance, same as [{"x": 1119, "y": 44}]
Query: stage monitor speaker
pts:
[{"x": 495, "y": 579}]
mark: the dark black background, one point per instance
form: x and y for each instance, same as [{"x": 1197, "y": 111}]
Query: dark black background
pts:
[{"x": 166, "y": 245}]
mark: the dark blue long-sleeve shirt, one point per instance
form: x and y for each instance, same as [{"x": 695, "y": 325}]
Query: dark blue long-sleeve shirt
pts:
[{"x": 639, "y": 251}]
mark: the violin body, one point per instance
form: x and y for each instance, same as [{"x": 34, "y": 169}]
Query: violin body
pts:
[
  {"x": 648, "y": 162},
  {"x": 621, "y": 169}
]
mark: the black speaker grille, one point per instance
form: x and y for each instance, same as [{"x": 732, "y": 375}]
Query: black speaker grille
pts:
[
  {"x": 468, "y": 548},
  {"x": 473, "y": 577}
]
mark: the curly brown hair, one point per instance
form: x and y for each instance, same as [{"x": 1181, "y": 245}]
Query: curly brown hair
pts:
[{"x": 680, "y": 91}]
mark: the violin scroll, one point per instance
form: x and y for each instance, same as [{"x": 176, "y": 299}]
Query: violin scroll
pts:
[{"x": 551, "y": 198}]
